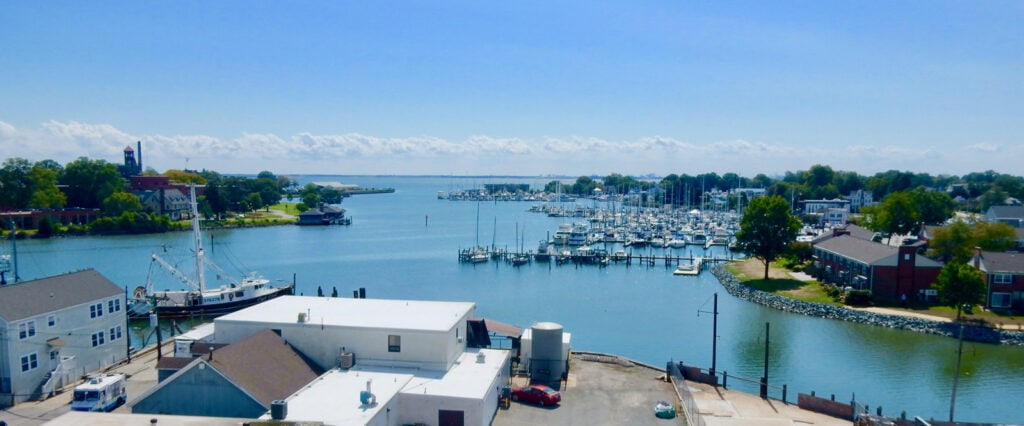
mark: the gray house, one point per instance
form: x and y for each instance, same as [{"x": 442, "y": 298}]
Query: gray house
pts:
[
  {"x": 56, "y": 330},
  {"x": 238, "y": 380},
  {"x": 168, "y": 201},
  {"x": 1012, "y": 215}
]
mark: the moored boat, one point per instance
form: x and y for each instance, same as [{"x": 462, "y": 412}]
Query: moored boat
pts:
[{"x": 198, "y": 300}]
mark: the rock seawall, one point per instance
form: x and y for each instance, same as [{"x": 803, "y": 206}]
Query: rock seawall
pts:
[{"x": 949, "y": 329}]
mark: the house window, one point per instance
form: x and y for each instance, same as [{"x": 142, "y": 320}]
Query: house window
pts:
[
  {"x": 29, "y": 362},
  {"x": 1000, "y": 300},
  {"x": 394, "y": 343},
  {"x": 114, "y": 305},
  {"x": 1002, "y": 279},
  {"x": 26, "y": 329},
  {"x": 51, "y": 321},
  {"x": 115, "y": 333},
  {"x": 54, "y": 355},
  {"x": 97, "y": 339},
  {"x": 96, "y": 310}
]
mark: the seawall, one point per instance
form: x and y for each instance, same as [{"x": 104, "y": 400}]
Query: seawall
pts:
[{"x": 949, "y": 329}]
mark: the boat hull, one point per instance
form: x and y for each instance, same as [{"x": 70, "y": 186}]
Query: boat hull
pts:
[{"x": 208, "y": 310}]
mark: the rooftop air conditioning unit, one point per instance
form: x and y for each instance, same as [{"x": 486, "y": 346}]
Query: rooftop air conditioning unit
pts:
[{"x": 346, "y": 360}]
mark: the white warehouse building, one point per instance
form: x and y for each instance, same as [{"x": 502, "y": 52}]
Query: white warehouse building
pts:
[{"x": 389, "y": 362}]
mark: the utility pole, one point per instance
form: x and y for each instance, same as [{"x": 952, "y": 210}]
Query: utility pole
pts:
[
  {"x": 714, "y": 332},
  {"x": 956, "y": 377},
  {"x": 764, "y": 379}
]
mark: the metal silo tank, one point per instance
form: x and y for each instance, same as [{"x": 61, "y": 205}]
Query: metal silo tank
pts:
[{"x": 546, "y": 358}]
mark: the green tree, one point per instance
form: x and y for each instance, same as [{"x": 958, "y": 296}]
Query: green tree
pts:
[
  {"x": 252, "y": 202},
  {"x": 15, "y": 184},
  {"x": 89, "y": 182},
  {"x": 896, "y": 215},
  {"x": 330, "y": 195},
  {"x": 767, "y": 229},
  {"x": 119, "y": 203},
  {"x": 184, "y": 176},
  {"x": 994, "y": 236},
  {"x": 960, "y": 284},
  {"x": 952, "y": 243},
  {"x": 45, "y": 194},
  {"x": 268, "y": 189},
  {"x": 310, "y": 196},
  {"x": 934, "y": 207}
]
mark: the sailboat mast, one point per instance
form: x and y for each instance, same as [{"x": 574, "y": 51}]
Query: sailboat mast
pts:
[
  {"x": 201, "y": 279},
  {"x": 14, "y": 252},
  {"x": 478, "y": 224}
]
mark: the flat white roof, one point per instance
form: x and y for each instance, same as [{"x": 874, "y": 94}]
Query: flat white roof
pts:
[
  {"x": 333, "y": 398},
  {"x": 198, "y": 333},
  {"x": 468, "y": 378},
  {"x": 352, "y": 312}
]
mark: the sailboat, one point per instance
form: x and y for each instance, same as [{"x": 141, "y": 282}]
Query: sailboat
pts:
[{"x": 198, "y": 300}]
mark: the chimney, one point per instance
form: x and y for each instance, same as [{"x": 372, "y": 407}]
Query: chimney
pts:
[
  {"x": 977, "y": 258},
  {"x": 140, "y": 156}
]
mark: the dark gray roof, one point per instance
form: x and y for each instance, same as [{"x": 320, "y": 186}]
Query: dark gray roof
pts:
[
  {"x": 27, "y": 299},
  {"x": 332, "y": 209},
  {"x": 998, "y": 262},
  {"x": 864, "y": 251},
  {"x": 871, "y": 253},
  {"x": 850, "y": 229},
  {"x": 999, "y": 212}
]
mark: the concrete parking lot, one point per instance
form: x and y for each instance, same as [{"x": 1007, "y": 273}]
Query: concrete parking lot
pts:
[{"x": 601, "y": 390}]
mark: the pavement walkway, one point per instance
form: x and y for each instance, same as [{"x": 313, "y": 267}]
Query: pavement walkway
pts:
[{"x": 723, "y": 407}]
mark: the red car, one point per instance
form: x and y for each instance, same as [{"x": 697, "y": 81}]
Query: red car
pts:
[{"x": 537, "y": 394}]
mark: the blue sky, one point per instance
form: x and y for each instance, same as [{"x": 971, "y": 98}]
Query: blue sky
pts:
[{"x": 523, "y": 88}]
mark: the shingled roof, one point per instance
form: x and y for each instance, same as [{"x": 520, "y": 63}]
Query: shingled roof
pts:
[
  {"x": 265, "y": 366},
  {"x": 1006, "y": 263},
  {"x": 27, "y": 299},
  {"x": 870, "y": 253}
]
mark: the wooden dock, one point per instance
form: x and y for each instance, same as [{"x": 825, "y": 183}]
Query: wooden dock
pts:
[{"x": 600, "y": 258}]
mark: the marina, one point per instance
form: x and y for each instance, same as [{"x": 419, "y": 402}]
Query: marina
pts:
[
  {"x": 600, "y": 257},
  {"x": 616, "y": 309}
]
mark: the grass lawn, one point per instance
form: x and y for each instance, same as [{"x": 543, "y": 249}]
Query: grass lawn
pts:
[
  {"x": 751, "y": 273},
  {"x": 286, "y": 208}
]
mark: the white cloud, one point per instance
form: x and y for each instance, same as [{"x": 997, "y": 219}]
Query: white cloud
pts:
[
  {"x": 983, "y": 147},
  {"x": 481, "y": 154}
]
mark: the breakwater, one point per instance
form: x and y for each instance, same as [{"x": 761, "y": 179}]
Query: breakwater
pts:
[{"x": 949, "y": 329}]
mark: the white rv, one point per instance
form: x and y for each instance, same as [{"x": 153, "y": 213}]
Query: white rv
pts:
[{"x": 100, "y": 393}]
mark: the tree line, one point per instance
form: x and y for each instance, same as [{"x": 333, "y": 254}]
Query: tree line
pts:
[
  {"x": 97, "y": 184},
  {"x": 978, "y": 191}
]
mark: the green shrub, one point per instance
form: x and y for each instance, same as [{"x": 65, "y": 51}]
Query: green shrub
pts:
[{"x": 858, "y": 297}]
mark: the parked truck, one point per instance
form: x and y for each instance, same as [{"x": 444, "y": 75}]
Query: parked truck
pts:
[{"x": 100, "y": 393}]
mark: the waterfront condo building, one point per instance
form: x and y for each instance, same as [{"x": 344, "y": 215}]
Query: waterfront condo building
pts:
[{"x": 57, "y": 329}]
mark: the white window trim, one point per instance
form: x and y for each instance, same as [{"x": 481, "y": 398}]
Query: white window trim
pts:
[
  {"x": 1003, "y": 296},
  {"x": 28, "y": 328},
  {"x": 27, "y": 358}
]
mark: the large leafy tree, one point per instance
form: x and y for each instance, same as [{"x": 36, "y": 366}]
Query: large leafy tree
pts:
[
  {"x": 45, "y": 194},
  {"x": 994, "y": 236},
  {"x": 952, "y": 243},
  {"x": 119, "y": 203},
  {"x": 89, "y": 182},
  {"x": 767, "y": 229},
  {"x": 960, "y": 284},
  {"x": 897, "y": 214},
  {"x": 934, "y": 207},
  {"x": 15, "y": 184}
]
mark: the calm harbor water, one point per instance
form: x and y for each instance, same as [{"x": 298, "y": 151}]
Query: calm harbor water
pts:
[{"x": 404, "y": 245}]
